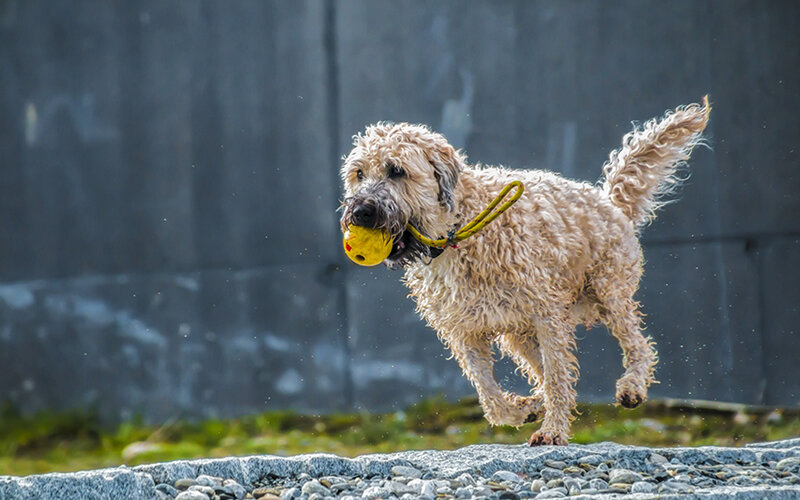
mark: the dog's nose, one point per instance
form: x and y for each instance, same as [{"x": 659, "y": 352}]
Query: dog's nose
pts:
[{"x": 365, "y": 215}]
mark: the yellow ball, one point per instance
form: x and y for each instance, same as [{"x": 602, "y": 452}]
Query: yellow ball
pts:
[{"x": 365, "y": 246}]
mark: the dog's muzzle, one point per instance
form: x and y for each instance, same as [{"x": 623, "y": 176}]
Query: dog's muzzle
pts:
[{"x": 366, "y": 215}]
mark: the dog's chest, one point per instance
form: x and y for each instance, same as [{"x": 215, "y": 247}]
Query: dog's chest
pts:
[{"x": 454, "y": 296}]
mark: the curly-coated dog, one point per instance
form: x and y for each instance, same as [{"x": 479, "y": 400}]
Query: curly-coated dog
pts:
[{"x": 566, "y": 253}]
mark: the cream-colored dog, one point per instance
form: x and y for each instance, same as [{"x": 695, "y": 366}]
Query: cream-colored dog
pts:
[{"x": 566, "y": 253}]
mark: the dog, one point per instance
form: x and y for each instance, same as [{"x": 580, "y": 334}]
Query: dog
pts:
[{"x": 567, "y": 253}]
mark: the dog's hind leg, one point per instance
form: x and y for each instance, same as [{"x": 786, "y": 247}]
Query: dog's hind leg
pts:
[
  {"x": 639, "y": 357},
  {"x": 622, "y": 317},
  {"x": 560, "y": 372},
  {"x": 524, "y": 350},
  {"x": 499, "y": 407}
]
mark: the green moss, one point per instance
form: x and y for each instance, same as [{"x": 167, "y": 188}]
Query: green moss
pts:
[{"x": 76, "y": 440}]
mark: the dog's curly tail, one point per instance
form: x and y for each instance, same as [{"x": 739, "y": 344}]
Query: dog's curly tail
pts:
[{"x": 644, "y": 170}]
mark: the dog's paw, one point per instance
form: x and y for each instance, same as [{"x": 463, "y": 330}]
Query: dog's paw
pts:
[
  {"x": 631, "y": 392},
  {"x": 532, "y": 417},
  {"x": 547, "y": 438},
  {"x": 629, "y": 399},
  {"x": 529, "y": 408}
]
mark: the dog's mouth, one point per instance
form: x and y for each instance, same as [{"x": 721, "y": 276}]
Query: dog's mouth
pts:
[
  {"x": 407, "y": 249},
  {"x": 401, "y": 247}
]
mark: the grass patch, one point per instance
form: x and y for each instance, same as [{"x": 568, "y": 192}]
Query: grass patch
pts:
[{"x": 76, "y": 440}]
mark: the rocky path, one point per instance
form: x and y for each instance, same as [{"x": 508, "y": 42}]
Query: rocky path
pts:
[{"x": 605, "y": 470}]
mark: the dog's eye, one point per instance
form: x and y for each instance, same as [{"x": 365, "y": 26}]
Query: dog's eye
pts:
[
  {"x": 360, "y": 175},
  {"x": 395, "y": 172}
]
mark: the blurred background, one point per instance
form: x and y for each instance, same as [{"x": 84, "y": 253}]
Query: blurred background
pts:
[{"x": 169, "y": 244}]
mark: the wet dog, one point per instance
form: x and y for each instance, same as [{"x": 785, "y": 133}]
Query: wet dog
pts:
[{"x": 566, "y": 253}]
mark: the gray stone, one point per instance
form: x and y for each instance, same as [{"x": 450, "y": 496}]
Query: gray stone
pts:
[
  {"x": 290, "y": 493},
  {"x": 167, "y": 489},
  {"x": 184, "y": 483},
  {"x": 375, "y": 492},
  {"x": 192, "y": 495},
  {"x": 466, "y": 479},
  {"x": 235, "y": 488},
  {"x": 789, "y": 464},
  {"x": 675, "y": 486},
  {"x": 416, "y": 484},
  {"x": 314, "y": 486},
  {"x": 404, "y": 470},
  {"x": 642, "y": 487},
  {"x": 776, "y": 445},
  {"x": 594, "y": 460},
  {"x": 556, "y": 464},
  {"x": 571, "y": 484},
  {"x": 444, "y": 490},
  {"x": 464, "y": 492},
  {"x": 549, "y": 473},
  {"x": 399, "y": 488},
  {"x": 657, "y": 459},
  {"x": 556, "y": 493},
  {"x": 206, "y": 490},
  {"x": 598, "y": 484},
  {"x": 206, "y": 480},
  {"x": 554, "y": 483},
  {"x": 428, "y": 488},
  {"x": 623, "y": 476},
  {"x": 504, "y": 475}
]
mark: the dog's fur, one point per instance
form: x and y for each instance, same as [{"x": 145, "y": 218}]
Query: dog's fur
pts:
[{"x": 566, "y": 253}]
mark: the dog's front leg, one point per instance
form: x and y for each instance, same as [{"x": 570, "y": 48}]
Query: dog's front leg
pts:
[
  {"x": 560, "y": 372},
  {"x": 499, "y": 407}
]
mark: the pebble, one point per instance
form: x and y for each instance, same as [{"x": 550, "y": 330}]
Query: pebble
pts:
[
  {"x": 675, "y": 486},
  {"x": 572, "y": 485},
  {"x": 598, "y": 484},
  {"x": 375, "y": 492},
  {"x": 184, "y": 483},
  {"x": 404, "y": 470},
  {"x": 593, "y": 460},
  {"x": 466, "y": 479},
  {"x": 790, "y": 464},
  {"x": 192, "y": 495},
  {"x": 314, "y": 486},
  {"x": 549, "y": 473},
  {"x": 206, "y": 480},
  {"x": 236, "y": 489},
  {"x": 657, "y": 459},
  {"x": 554, "y": 483},
  {"x": 556, "y": 493},
  {"x": 428, "y": 488},
  {"x": 642, "y": 487},
  {"x": 290, "y": 493},
  {"x": 504, "y": 475},
  {"x": 167, "y": 489},
  {"x": 206, "y": 490},
  {"x": 556, "y": 464},
  {"x": 623, "y": 476},
  {"x": 537, "y": 485},
  {"x": 399, "y": 488}
]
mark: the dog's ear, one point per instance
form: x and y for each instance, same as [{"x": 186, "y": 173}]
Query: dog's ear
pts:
[{"x": 447, "y": 164}]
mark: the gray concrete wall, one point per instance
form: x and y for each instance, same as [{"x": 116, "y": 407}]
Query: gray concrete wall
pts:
[{"x": 168, "y": 181}]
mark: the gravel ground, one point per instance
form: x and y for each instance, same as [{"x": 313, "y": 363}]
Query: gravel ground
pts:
[{"x": 605, "y": 470}]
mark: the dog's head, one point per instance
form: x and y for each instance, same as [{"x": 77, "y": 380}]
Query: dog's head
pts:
[{"x": 401, "y": 173}]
